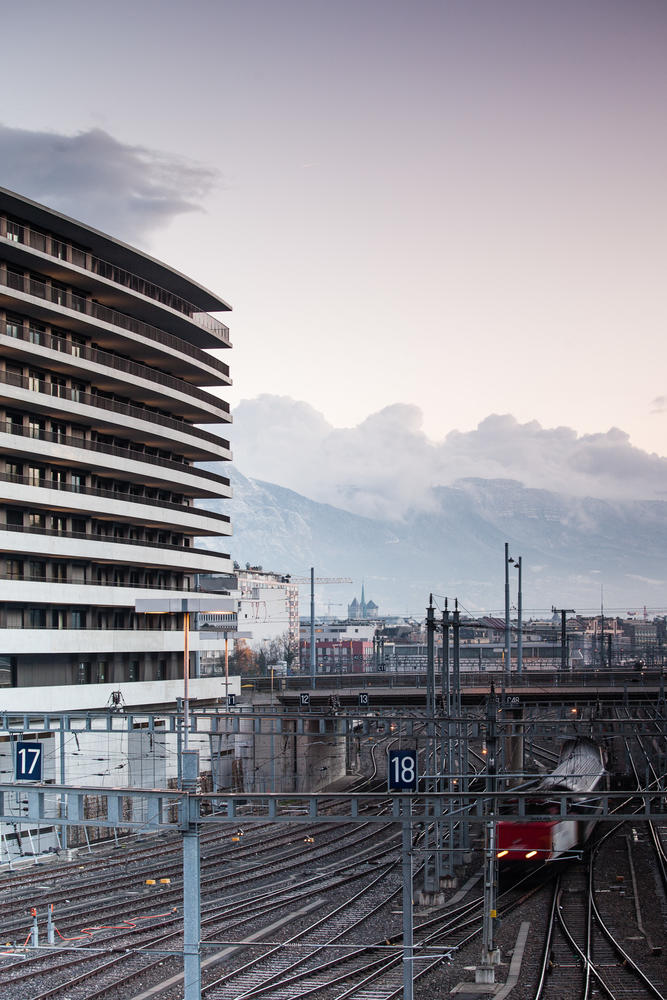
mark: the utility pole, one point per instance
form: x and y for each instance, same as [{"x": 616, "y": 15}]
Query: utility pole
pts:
[
  {"x": 563, "y": 634},
  {"x": 431, "y": 882},
  {"x": 519, "y": 612},
  {"x": 446, "y": 695},
  {"x": 313, "y": 653},
  {"x": 508, "y": 632},
  {"x": 485, "y": 971}
]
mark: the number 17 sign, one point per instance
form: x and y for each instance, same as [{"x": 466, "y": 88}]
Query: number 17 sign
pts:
[
  {"x": 28, "y": 762},
  {"x": 402, "y": 771}
]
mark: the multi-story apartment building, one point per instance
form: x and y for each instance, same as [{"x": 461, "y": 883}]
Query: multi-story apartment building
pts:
[
  {"x": 105, "y": 376},
  {"x": 267, "y": 603}
]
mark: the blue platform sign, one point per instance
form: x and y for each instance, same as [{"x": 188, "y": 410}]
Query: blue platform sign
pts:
[
  {"x": 28, "y": 762},
  {"x": 402, "y": 771}
]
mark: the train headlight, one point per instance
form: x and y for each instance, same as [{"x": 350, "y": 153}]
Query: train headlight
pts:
[
  {"x": 501, "y": 854},
  {"x": 531, "y": 854}
]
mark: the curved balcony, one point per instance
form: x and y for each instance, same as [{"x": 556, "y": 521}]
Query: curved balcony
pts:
[
  {"x": 63, "y": 346},
  {"x": 88, "y": 307},
  {"x": 61, "y": 250},
  {"x": 51, "y": 484},
  {"x": 100, "y": 402},
  {"x": 72, "y": 583},
  {"x": 130, "y": 454},
  {"x": 110, "y": 540}
]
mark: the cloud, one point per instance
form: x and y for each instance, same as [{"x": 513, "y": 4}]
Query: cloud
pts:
[
  {"x": 659, "y": 404},
  {"x": 386, "y": 465},
  {"x": 128, "y": 191}
]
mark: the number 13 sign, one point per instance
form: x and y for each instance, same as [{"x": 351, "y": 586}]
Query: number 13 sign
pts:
[
  {"x": 28, "y": 762},
  {"x": 402, "y": 771}
]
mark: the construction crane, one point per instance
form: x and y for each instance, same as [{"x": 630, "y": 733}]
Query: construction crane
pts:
[
  {"x": 312, "y": 580},
  {"x": 321, "y": 579}
]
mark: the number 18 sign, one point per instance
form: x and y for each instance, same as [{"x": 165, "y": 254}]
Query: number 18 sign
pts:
[
  {"x": 402, "y": 771},
  {"x": 28, "y": 762}
]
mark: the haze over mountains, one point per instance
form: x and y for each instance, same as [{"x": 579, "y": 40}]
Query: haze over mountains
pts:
[
  {"x": 383, "y": 503},
  {"x": 570, "y": 546}
]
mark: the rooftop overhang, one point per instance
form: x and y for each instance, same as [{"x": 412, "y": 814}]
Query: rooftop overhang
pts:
[{"x": 110, "y": 249}]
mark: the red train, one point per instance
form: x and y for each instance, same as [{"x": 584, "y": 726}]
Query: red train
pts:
[{"x": 581, "y": 769}]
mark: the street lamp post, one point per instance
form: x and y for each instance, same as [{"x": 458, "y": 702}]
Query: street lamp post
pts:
[{"x": 517, "y": 563}]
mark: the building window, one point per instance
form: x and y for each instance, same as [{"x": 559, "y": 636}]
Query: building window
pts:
[
  {"x": 58, "y": 249},
  {"x": 84, "y": 673},
  {"x": 161, "y": 673},
  {"x": 78, "y": 618},
  {"x": 102, "y": 672},
  {"x": 58, "y": 386},
  {"x": 14, "y": 326},
  {"x": 35, "y": 475},
  {"x": 37, "y": 618},
  {"x": 37, "y": 240},
  {"x": 133, "y": 671},
  {"x": 37, "y": 569},
  {"x": 14, "y": 617},
  {"x": 58, "y": 618},
  {"x": 14, "y": 232},
  {"x": 35, "y": 380},
  {"x": 15, "y": 569}
]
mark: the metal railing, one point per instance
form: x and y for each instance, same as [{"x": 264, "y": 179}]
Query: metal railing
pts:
[
  {"x": 128, "y": 497},
  {"x": 94, "y": 537},
  {"x": 88, "y": 307},
  {"x": 41, "y": 578},
  {"x": 22, "y": 234},
  {"x": 63, "y": 346},
  {"x": 38, "y": 434},
  {"x": 593, "y": 679},
  {"x": 34, "y": 384}
]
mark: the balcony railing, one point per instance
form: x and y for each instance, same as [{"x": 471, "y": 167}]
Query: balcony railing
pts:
[
  {"x": 18, "y": 233},
  {"x": 9, "y": 427},
  {"x": 54, "y": 484},
  {"x": 36, "y": 578},
  {"x": 63, "y": 346},
  {"x": 135, "y": 412},
  {"x": 110, "y": 539},
  {"x": 88, "y": 307}
]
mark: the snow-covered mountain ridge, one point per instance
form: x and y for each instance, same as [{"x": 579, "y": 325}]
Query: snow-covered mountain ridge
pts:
[{"x": 571, "y": 546}]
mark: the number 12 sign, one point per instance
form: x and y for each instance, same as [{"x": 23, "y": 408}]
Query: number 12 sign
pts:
[
  {"x": 402, "y": 771},
  {"x": 28, "y": 762}
]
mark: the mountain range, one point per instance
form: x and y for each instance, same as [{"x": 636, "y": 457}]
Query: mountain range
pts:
[{"x": 575, "y": 551}]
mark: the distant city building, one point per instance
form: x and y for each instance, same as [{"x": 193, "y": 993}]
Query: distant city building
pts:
[
  {"x": 363, "y": 608},
  {"x": 267, "y": 603}
]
